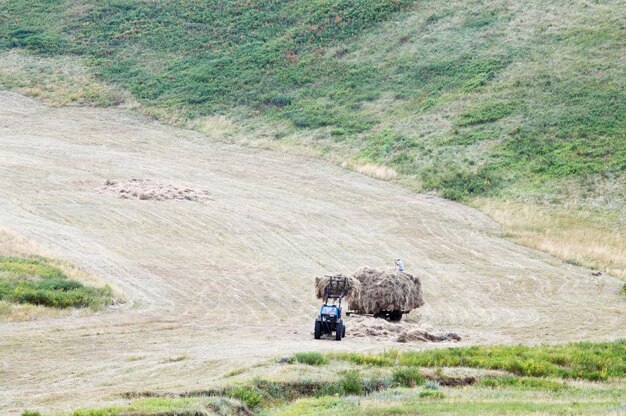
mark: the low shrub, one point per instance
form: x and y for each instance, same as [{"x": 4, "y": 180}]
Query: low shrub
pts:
[
  {"x": 456, "y": 182},
  {"x": 310, "y": 358},
  {"x": 431, "y": 394},
  {"x": 249, "y": 395},
  {"x": 351, "y": 382},
  {"x": 407, "y": 377},
  {"x": 431, "y": 385}
]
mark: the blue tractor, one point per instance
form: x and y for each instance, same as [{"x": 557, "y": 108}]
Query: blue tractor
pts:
[{"x": 329, "y": 320}]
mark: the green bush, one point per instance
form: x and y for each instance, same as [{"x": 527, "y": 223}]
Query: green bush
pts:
[
  {"x": 310, "y": 358},
  {"x": 249, "y": 395},
  {"x": 458, "y": 183},
  {"x": 351, "y": 382},
  {"x": 407, "y": 377},
  {"x": 37, "y": 41},
  {"x": 330, "y": 389}
]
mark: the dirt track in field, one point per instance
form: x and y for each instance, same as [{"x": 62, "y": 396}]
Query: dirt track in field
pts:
[{"x": 228, "y": 281}]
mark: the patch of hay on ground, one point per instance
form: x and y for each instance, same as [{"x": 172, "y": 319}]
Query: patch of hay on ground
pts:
[
  {"x": 148, "y": 190},
  {"x": 365, "y": 326}
]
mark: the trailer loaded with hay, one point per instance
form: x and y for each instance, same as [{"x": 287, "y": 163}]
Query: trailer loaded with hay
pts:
[
  {"x": 386, "y": 293},
  {"x": 381, "y": 293}
]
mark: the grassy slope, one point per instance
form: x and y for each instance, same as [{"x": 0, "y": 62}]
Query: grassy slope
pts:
[
  {"x": 515, "y": 102},
  {"x": 395, "y": 383}
]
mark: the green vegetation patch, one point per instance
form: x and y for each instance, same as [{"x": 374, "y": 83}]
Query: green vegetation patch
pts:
[
  {"x": 408, "y": 377},
  {"x": 528, "y": 383},
  {"x": 363, "y": 359},
  {"x": 485, "y": 114},
  {"x": 585, "y": 360},
  {"x": 35, "y": 281},
  {"x": 310, "y": 358}
]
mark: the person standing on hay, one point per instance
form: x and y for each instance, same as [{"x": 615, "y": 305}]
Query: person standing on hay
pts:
[{"x": 399, "y": 265}]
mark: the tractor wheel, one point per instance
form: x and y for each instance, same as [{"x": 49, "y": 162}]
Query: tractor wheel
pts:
[
  {"x": 343, "y": 333},
  {"x": 339, "y": 331},
  {"x": 318, "y": 330},
  {"x": 395, "y": 316}
]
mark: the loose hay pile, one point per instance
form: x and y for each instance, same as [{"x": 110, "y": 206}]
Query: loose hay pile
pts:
[
  {"x": 148, "y": 190},
  {"x": 386, "y": 290},
  {"x": 363, "y": 326},
  {"x": 352, "y": 285}
]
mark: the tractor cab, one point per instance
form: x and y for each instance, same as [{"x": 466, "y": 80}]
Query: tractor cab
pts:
[{"x": 330, "y": 313}]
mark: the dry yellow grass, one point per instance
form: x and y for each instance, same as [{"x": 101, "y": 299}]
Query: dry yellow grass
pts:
[
  {"x": 12, "y": 244},
  {"x": 573, "y": 236},
  {"x": 375, "y": 171},
  {"x": 19, "y": 313},
  {"x": 215, "y": 127},
  {"x": 59, "y": 81}
]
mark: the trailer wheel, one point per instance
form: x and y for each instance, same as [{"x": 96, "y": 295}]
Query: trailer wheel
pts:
[
  {"x": 318, "y": 330},
  {"x": 339, "y": 329}
]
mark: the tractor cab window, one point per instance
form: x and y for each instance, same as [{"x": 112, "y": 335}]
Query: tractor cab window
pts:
[{"x": 329, "y": 310}]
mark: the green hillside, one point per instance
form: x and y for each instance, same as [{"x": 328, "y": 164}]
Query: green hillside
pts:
[{"x": 510, "y": 101}]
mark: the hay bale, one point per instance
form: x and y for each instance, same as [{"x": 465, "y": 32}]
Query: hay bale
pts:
[
  {"x": 353, "y": 286},
  {"x": 386, "y": 290}
]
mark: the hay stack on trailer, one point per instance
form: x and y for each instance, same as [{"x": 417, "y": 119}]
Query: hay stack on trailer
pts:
[{"x": 386, "y": 291}]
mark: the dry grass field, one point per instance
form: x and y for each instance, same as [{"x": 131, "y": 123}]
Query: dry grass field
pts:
[{"x": 218, "y": 283}]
